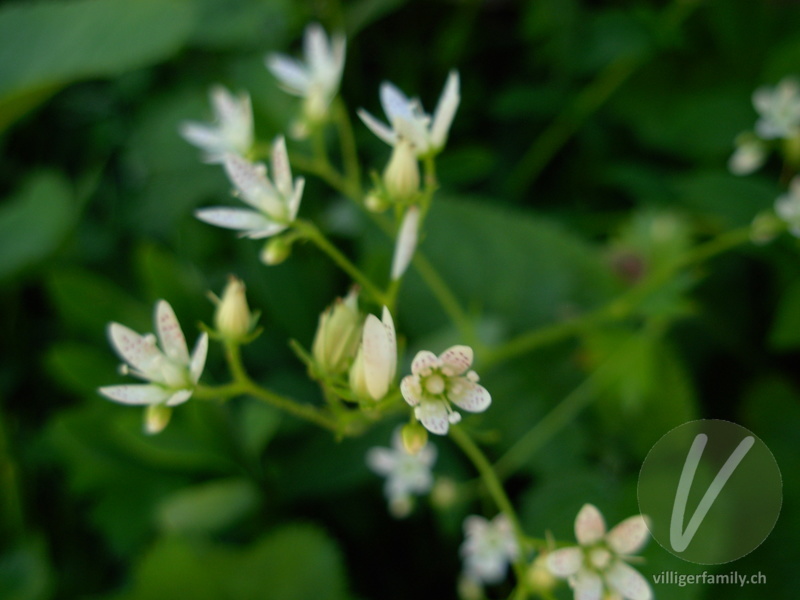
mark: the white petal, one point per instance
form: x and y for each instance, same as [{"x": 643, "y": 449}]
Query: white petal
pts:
[
  {"x": 388, "y": 325},
  {"x": 565, "y": 562},
  {"x": 627, "y": 581},
  {"x": 254, "y": 187},
  {"x": 140, "y": 393},
  {"x": 203, "y": 136},
  {"x": 406, "y": 243},
  {"x": 377, "y": 357},
  {"x": 456, "y": 360},
  {"x": 316, "y": 48},
  {"x": 409, "y": 388},
  {"x": 198, "y": 361},
  {"x": 291, "y": 73},
  {"x": 589, "y": 525},
  {"x": 179, "y": 397},
  {"x": 378, "y": 128},
  {"x": 170, "y": 333},
  {"x": 587, "y": 585},
  {"x": 395, "y": 103},
  {"x": 294, "y": 200},
  {"x": 629, "y": 536},
  {"x": 469, "y": 395},
  {"x": 254, "y": 224},
  {"x": 137, "y": 350},
  {"x": 281, "y": 172},
  {"x": 475, "y": 526},
  {"x": 381, "y": 460},
  {"x": 225, "y": 105},
  {"x": 424, "y": 360},
  {"x": 433, "y": 416},
  {"x": 445, "y": 111}
]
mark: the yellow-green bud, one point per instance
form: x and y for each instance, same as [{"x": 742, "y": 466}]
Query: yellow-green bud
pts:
[
  {"x": 376, "y": 202},
  {"x": 401, "y": 176},
  {"x": 233, "y": 319},
  {"x": 358, "y": 377},
  {"x": 765, "y": 227},
  {"x": 539, "y": 577},
  {"x": 415, "y": 436},
  {"x": 276, "y": 251},
  {"x": 338, "y": 334},
  {"x": 156, "y": 418},
  {"x": 444, "y": 493}
]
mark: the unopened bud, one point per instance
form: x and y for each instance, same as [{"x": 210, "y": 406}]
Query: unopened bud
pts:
[
  {"x": 376, "y": 202},
  {"x": 765, "y": 228},
  {"x": 415, "y": 436},
  {"x": 539, "y": 577},
  {"x": 401, "y": 176},
  {"x": 233, "y": 319},
  {"x": 338, "y": 334},
  {"x": 156, "y": 418},
  {"x": 276, "y": 251},
  {"x": 444, "y": 493}
]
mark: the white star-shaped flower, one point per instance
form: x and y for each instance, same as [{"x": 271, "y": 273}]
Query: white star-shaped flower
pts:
[
  {"x": 317, "y": 79},
  {"x": 232, "y": 131},
  {"x": 435, "y": 382},
  {"x": 406, "y": 474},
  {"x": 488, "y": 548},
  {"x": 779, "y": 109},
  {"x": 787, "y": 207},
  {"x": 408, "y": 121},
  {"x": 598, "y": 563},
  {"x": 276, "y": 202},
  {"x": 170, "y": 371}
]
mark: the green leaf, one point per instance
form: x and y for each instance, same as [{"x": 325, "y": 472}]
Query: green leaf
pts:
[
  {"x": 25, "y": 572},
  {"x": 81, "y": 368},
  {"x": 208, "y": 507},
  {"x": 50, "y": 44},
  {"x": 785, "y": 331},
  {"x": 34, "y": 222}
]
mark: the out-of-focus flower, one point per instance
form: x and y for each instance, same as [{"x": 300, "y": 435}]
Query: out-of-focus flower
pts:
[
  {"x": 406, "y": 242},
  {"x": 787, "y": 207},
  {"x": 749, "y": 156},
  {"x": 488, "y": 548},
  {"x": 598, "y": 563},
  {"x": 435, "y": 382},
  {"x": 276, "y": 202},
  {"x": 232, "y": 130},
  {"x": 338, "y": 334},
  {"x": 232, "y": 318},
  {"x": 406, "y": 474},
  {"x": 408, "y": 121},
  {"x": 317, "y": 79},
  {"x": 375, "y": 365},
  {"x": 170, "y": 371},
  {"x": 779, "y": 109}
]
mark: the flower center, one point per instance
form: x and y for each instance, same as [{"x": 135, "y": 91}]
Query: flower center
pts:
[
  {"x": 600, "y": 557},
  {"x": 434, "y": 384}
]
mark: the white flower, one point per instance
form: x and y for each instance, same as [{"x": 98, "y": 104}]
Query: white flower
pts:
[
  {"x": 171, "y": 372},
  {"x": 406, "y": 243},
  {"x": 375, "y": 366},
  {"x": 276, "y": 203},
  {"x": 598, "y": 564},
  {"x": 787, "y": 207},
  {"x": 435, "y": 382},
  {"x": 749, "y": 156},
  {"x": 408, "y": 121},
  {"x": 779, "y": 108},
  {"x": 318, "y": 79},
  {"x": 233, "y": 129},
  {"x": 406, "y": 474},
  {"x": 488, "y": 548}
]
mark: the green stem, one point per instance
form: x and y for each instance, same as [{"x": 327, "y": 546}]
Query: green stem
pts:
[
  {"x": 498, "y": 494},
  {"x": 347, "y": 143}
]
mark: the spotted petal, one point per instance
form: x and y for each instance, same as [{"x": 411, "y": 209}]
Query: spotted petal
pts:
[
  {"x": 629, "y": 536},
  {"x": 456, "y": 360},
  {"x": 253, "y": 186},
  {"x": 422, "y": 361},
  {"x": 410, "y": 389},
  {"x": 252, "y": 224},
  {"x": 628, "y": 582},
  {"x": 565, "y": 562},
  {"x": 170, "y": 333},
  {"x": 281, "y": 171},
  {"x": 587, "y": 585},
  {"x": 433, "y": 416},
  {"x": 589, "y": 525},
  {"x": 469, "y": 395},
  {"x": 136, "y": 394},
  {"x": 138, "y": 351}
]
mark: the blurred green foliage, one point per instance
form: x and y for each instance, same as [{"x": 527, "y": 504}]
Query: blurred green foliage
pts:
[{"x": 589, "y": 151}]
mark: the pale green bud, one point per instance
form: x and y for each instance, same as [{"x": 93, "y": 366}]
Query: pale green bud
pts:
[
  {"x": 539, "y": 577},
  {"x": 444, "y": 493},
  {"x": 376, "y": 202},
  {"x": 156, "y": 418},
  {"x": 233, "y": 319},
  {"x": 276, "y": 251},
  {"x": 415, "y": 436},
  {"x": 358, "y": 378},
  {"x": 765, "y": 228},
  {"x": 338, "y": 334},
  {"x": 401, "y": 176}
]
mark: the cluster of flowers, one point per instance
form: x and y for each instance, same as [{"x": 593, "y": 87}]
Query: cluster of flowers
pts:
[{"x": 351, "y": 347}]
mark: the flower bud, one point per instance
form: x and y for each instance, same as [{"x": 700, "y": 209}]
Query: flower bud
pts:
[
  {"x": 156, "y": 418},
  {"x": 765, "y": 227},
  {"x": 539, "y": 577},
  {"x": 375, "y": 366},
  {"x": 376, "y": 202},
  {"x": 276, "y": 251},
  {"x": 401, "y": 176},
  {"x": 338, "y": 334},
  {"x": 444, "y": 494},
  {"x": 415, "y": 436},
  {"x": 233, "y": 318}
]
